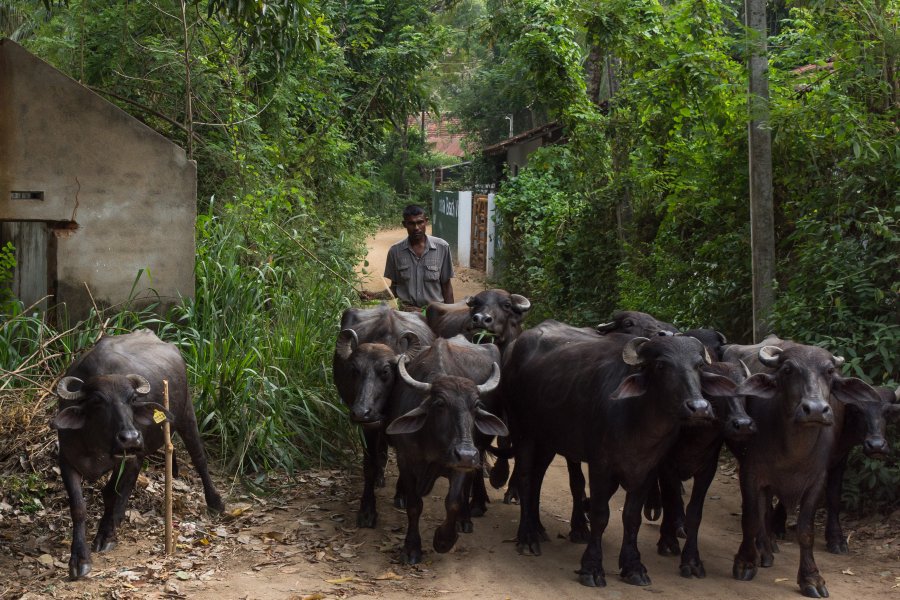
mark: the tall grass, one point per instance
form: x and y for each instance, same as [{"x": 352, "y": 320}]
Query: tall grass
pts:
[{"x": 257, "y": 338}]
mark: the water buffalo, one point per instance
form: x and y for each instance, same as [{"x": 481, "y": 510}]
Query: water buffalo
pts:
[
  {"x": 713, "y": 340},
  {"x": 436, "y": 414},
  {"x": 614, "y": 401},
  {"x": 364, "y": 366},
  {"x": 636, "y": 323},
  {"x": 109, "y": 419},
  {"x": 696, "y": 455},
  {"x": 495, "y": 311},
  {"x": 789, "y": 457}
]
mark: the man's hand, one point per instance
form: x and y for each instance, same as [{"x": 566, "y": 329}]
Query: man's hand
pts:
[{"x": 447, "y": 291}]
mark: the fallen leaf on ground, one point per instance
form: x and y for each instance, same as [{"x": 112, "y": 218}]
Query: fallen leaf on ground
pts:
[
  {"x": 848, "y": 572},
  {"x": 389, "y": 576},
  {"x": 781, "y": 579},
  {"x": 341, "y": 580}
]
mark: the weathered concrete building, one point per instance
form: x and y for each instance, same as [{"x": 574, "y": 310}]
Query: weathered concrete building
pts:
[{"x": 88, "y": 194}]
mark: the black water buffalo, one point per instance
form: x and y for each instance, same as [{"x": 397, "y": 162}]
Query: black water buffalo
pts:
[
  {"x": 696, "y": 455},
  {"x": 864, "y": 423},
  {"x": 364, "y": 366},
  {"x": 436, "y": 415},
  {"x": 790, "y": 455},
  {"x": 713, "y": 340},
  {"x": 749, "y": 354},
  {"x": 109, "y": 419},
  {"x": 496, "y": 312},
  {"x": 614, "y": 401},
  {"x": 636, "y": 323}
]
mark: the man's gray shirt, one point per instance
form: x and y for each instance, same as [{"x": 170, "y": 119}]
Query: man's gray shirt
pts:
[{"x": 418, "y": 280}]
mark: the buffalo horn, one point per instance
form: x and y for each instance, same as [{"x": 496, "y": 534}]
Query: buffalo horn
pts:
[
  {"x": 839, "y": 361},
  {"x": 140, "y": 384},
  {"x": 630, "y": 352},
  {"x": 493, "y": 381},
  {"x": 520, "y": 303},
  {"x": 419, "y": 386},
  {"x": 346, "y": 343},
  {"x": 63, "y": 391},
  {"x": 897, "y": 395},
  {"x": 722, "y": 339},
  {"x": 746, "y": 368},
  {"x": 413, "y": 344},
  {"x": 706, "y": 357},
  {"x": 768, "y": 355}
]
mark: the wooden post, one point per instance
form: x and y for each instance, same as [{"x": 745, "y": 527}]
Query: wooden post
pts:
[
  {"x": 762, "y": 214},
  {"x": 167, "y": 441}
]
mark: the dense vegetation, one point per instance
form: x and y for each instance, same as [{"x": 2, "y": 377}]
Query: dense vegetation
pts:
[{"x": 303, "y": 122}]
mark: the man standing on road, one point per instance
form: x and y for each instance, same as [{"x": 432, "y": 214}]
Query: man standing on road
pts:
[{"x": 419, "y": 267}]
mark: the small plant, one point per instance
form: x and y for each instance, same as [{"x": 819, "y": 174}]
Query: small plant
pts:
[{"x": 24, "y": 492}]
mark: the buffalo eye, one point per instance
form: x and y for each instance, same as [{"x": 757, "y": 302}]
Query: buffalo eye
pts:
[
  {"x": 386, "y": 371},
  {"x": 830, "y": 370},
  {"x": 787, "y": 368},
  {"x": 507, "y": 305},
  {"x": 627, "y": 323},
  {"x": 659, "y": 366}
]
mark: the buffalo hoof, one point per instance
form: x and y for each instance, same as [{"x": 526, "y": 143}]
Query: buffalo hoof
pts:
[
  {"x": 811, "y": 590},
  {"x": 636, "y": 577},
  {"x": 580, "y": 536},
  {"x": 464, "y": 526},
  {"x": 652, "y": 513},
  {"x": 499, "y": 474},
  {"x": 591, "y": 579},
  {"x": 533, "y": 547},
  {"x": 766, "y": 560},
  {"x": 477, "y": 509},
  {"x": 693, "y": 568},
  {"x": 511, "y": 496},
  {"x": 399, "y": 502},
  {"x": 443, "y": 540},
  {"x": 680, "y": 532},
  {"x": 78, "y": 569},
  {"x": 743, "y": 571},
  {"x": 668, "y": 547},
  {"x": 103, "y": 543},
  {"x": 411, "y": 557},
  {"x": 366, "y": 519},
  {"x": 214, "y": 505},
  {"x": 838, "y": 546}
]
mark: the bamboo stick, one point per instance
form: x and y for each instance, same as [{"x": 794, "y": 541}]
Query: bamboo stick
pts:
[{"x": 167, "y": 441}]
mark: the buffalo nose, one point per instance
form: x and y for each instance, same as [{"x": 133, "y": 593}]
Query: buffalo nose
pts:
[
  {"x": 664, "y": 333},
  {"x": 481, "y": 320},
  {"x": 129, "y": 439},
  {"x": 743, "y": 426},
  {"x": 699, "y": 409},
  {"x": 815, "y": 411},
  {"x": 876, "y": 446},
  {"x": 466, "y": 457}
]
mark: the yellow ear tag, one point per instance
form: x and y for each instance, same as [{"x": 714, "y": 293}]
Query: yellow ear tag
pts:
[{"x": 158, "y": 416}]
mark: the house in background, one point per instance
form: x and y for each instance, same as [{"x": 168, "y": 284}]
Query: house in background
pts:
[{"x": 89, "y": 196}]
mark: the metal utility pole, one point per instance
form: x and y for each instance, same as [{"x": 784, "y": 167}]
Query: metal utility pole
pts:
[{"x": 762, "y": 219}]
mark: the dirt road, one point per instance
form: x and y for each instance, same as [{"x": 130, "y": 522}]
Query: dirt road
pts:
[{"x": 301, "y": 543}]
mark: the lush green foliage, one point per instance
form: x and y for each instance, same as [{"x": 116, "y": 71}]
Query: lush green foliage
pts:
[{"x": 7, "y": 264}]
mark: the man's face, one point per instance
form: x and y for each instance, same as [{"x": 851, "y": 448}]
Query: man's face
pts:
[{"x": 415, "y": 226}]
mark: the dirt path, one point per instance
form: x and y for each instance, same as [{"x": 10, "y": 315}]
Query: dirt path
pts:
[{"x": 302, "y": 543}]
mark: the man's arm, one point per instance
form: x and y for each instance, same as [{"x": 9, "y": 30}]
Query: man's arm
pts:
[{"x": 447, "y": 291}]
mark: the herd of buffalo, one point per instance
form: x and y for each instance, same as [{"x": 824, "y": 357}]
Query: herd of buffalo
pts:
[{"x": 644, "y": 405}]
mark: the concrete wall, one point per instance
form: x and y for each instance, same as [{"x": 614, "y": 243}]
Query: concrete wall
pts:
[
  {"x": 118, "y": 197},
  {"x": 517, "y": 154}
]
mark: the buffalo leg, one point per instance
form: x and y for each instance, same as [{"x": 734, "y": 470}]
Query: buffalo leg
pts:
[
  {"x": 811, "y": 583},
  {"x": 500, "y": 471},
  {"x": 542, "y": 462},
  {"x": 445, "y": 535},
  {"x": 633, "y": 570},
  {"x": 480, "y": 499},
  {"x": 412, "y": 544},
  {"x": 190, "y": 435},
  {"x": 80, "y": 559},
  {"x": 367, "y": 515},
  {"x": 752, "y": 509},
  {"x": 834, "y": 534},
  {"x": 672, "y": 510},
  {"x": 691, "y": 565},
  {"x": 579, "y": 533},
  {"x": 464, "y": 516},
  {"x": 591, "y": 573},
  {"x": 382, "y": 460},
  {"x": 116, "y": 493},
  {"x": 531, "y": 465}
]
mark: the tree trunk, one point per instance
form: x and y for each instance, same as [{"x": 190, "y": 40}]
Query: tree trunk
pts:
[{"x": 762, "y": 220}]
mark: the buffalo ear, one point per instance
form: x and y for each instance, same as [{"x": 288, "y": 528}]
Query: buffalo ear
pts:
[
  {"x": 148, "y": 413},
  {"x": 716, "y": 386},
  {"x": 761, "y": 385},
  {"x": 489, "y": 424},
  {"x": 411, "y": 422},
  {"x": 69, "y": 418},
  {"x": 631, "y": 386},
  {"x": 891, "y": 412},
  {"x": 851, "y": 390}
]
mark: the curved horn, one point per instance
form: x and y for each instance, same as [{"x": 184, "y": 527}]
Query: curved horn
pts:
[
  {"x": 721, "y": 337},
  {"x": 63, "y": 391},
  {"x": 412, "y": 342},
  {"x": 346, "y": 343},
  {"x": 139, "y": 383},
  {"x": 769, "y": 355},
  {"x": 706, "y": 357},
  {"x": 468, "y": 300},
  {"x": 520, "y": 303},
  {"x": 630, "y": 352},
  {"x": 897, "y": 395},
  {"x": 419, "y": 386},
  {"x": 746, "y": 368},
  {"x": 493, "y": 381},
  {"x": 839, "y": 360}
]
